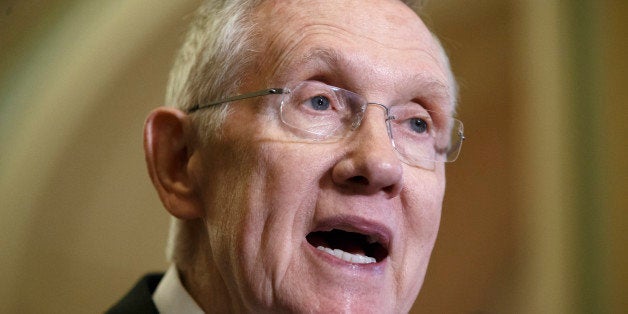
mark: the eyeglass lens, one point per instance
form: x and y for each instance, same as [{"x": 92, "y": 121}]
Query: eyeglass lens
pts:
[{"x": 326, "y": 113}]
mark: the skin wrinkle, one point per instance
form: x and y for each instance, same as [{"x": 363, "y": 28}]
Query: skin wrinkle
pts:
[
  {"x": 409, "y": 202},
  {"x": 284, "y": 268},
  {"x": 310, "y": 30},
  {"x": 295, "y": 38},
  {"x": 279, "y": 189},
  {"x": 332, "y": 57},
  {"x": 216, "y": 231},
  {"x": 267, "y": 241},
  {"x": 324, "y": 58},
  {"x": 281, "y": 269},
  {"x": 429, "y": 91}
]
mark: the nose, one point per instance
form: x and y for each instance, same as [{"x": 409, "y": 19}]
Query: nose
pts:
[{"x": 371, "y": 165}]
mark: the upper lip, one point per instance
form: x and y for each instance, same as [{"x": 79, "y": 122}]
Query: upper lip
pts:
[{"x": 375, "y": 231}]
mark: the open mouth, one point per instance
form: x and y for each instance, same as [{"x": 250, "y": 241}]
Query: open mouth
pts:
[{"x": 352, "y": 247}]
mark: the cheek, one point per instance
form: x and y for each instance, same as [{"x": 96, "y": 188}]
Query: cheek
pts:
[
  {"x": 283, "y": 193},
  {"x": 423, "y": 192},
  {"x": 280, "y": 199},
  {"x": 424, "y": 208},
  {"x": 229, "y": 174},
  {"x": 423, "y": 196}
]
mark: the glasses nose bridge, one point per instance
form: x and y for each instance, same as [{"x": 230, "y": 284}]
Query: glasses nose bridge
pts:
[{"x": 387, "y": 118}]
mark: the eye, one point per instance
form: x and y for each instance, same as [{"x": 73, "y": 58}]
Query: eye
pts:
[
  {"x": 320, "y": 103},
  {"x": 418, "y": 125}
]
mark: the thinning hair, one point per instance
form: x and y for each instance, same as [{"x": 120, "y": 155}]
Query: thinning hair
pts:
[{"x": 216, "y": 52}]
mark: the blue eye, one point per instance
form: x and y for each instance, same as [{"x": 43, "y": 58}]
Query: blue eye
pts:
[
  {"x": 320, "y": 103},
  {"x": 418, "y": 125}
]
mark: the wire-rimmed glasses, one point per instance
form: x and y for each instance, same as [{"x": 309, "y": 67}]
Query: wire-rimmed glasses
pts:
[{"x": 320, "y": 112}]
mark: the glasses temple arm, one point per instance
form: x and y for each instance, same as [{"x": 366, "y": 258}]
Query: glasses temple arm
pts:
[{"x": 270, "y": 91}]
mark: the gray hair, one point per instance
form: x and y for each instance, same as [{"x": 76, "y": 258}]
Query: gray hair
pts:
[{"x": 217, "y": 50}]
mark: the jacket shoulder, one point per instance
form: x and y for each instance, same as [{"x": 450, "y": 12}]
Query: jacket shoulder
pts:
[{"x": 140, "y": 298}]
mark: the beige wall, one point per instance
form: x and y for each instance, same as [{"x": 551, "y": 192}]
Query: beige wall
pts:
[
  {"x": 80, "y": 221},
  {"x": 613, "y": 30}
]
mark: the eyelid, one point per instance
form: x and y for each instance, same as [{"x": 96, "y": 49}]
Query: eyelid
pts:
[
  {"x": 435, "y": 120},
  {"x": 409, "y": 110},
  {"x": 322, "y": 90}
]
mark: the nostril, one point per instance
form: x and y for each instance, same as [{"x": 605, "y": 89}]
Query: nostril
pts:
[
  {"x": 390, "y": 189},
  {"x": 361, "y": 180},
  {"x": 366, "y": 171}
]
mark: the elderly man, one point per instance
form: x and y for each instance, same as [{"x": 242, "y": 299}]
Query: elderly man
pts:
[{"x": 304, "y": 161}]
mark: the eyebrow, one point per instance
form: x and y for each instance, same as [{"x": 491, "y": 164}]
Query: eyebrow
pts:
[
  {"x": 432, "y": 87},
  {"x": 315, "y": 57},
  {"x": 429, "y": 87},
  {"x": 329, "y": 56}
]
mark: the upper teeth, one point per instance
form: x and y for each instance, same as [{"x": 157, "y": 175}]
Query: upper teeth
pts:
[{"x": 352, "y": 258}]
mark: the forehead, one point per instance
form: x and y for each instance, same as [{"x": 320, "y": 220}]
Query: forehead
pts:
[{"x": 371, "y": 44}]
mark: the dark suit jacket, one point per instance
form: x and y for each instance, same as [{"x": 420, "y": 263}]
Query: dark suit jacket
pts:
[{"x": 140, "y": 298}]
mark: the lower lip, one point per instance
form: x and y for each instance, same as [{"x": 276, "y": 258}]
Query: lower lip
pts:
[{"x": 375, "y": 268}]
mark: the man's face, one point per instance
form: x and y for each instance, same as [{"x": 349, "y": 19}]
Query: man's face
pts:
[{"x": 271, "y": 199}]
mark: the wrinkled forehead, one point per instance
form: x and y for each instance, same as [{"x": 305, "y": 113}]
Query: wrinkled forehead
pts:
[
  {"x": 386, "y": 31},
  {"x": 375, "y": 19}
]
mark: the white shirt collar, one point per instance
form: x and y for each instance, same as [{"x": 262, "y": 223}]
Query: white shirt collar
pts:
[{"x": 171, "y": 297}]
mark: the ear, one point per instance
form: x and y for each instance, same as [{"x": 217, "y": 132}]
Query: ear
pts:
[{"x": 168, "y": 149}]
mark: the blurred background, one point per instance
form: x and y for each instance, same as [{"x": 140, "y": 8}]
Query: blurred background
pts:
[{"x": 534, "y": 220}]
